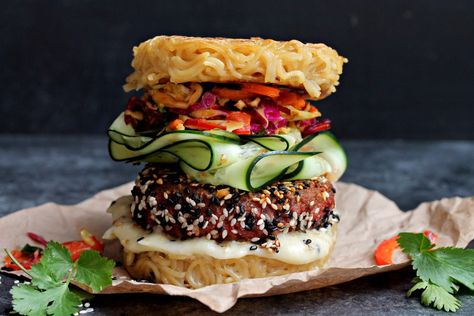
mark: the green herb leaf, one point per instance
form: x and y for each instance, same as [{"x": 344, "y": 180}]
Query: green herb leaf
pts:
[
  {"x": 63, "y": 301},
  {"x": 49, "y": 292},
  {"x": 94, "y": 270},
  {"x": 29, "y": 301},
  {"x": 439, "y": 271},
  {"x": 42, "y": 278},
  {"x": 440, "y": 298},
  {"x": 57, "y": 259}
]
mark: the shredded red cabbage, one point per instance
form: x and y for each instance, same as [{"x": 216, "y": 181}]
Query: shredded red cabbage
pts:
[
  {"x": 208, "y": 99},
  {"x": 274, "y": 117}
]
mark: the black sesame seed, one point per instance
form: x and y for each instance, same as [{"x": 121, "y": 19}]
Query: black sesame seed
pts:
[
  {"x": 215, "y": 200},
  {"x": 253, "y": 247},
  {"x": 307, "y": 241},
  {"x": 209, "y": 212},
  {"x": 249, "y": 222},
  {"x": 327, "y": 210},
  {"x": 187, "y": 190},
  {"x": 140, "y": 239},
  {"x": 269, "y": 226},
  {"x": 186, "y": 208}
]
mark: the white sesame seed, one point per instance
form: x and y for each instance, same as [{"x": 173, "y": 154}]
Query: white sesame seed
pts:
[
  {"x": 165, "y": 195},
  {"x": 260, "y": 222},
  {"x": 87, "y": 304},
  {"x": 201, "y": 204},
  {"x": 311, "y": 203},
  {"x": 224, "y": 234},
  {"x": 274, "y": 206},
  {"x": 205, "y": 225},
  {"x": 264, "y": 204},
  {"x": 233, "y": 222},
  {"x": 190, "y": 227},
  {"x": 220, "y": 224},
  {"x": 255, "y": 199},
  {"x": 201, "y": 218},
  {"x": 254, "y": 239},
  {"x": 234, "y": 231},
  {"x": 177, "y": 207},
  {"x": 242, "y": 224},
  {"x": 228, "y": 196},
  {"x": 226, "y": 213},
  {"x": 221, "y": 203},
  {"x": 208, "y": 236}
]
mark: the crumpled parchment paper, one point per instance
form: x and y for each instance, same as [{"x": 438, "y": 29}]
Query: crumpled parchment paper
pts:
[{"x": 367, "y": 217}]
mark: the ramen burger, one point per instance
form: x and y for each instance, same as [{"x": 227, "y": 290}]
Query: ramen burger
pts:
[{"x": 238, "y": 160}]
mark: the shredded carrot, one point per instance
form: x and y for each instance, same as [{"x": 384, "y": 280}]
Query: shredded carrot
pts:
[
  {"x": 261, "y": 89},
  {"x": 232, "y": 94},
  {"x": 173, "y": 125},
  {"x": 291, "y": 98}
]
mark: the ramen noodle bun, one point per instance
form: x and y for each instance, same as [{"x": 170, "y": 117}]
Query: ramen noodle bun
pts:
[
  {"x": 199, "y": 262},
  {"x": 314, "y": 68},
  {"x": 239, "y": 162}
]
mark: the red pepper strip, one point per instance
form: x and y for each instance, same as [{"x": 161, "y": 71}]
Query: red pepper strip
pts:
[
  {"x": 241, "y": 117},
  {"x": 25, "y": 259},
  {"x": 88, "y": 242},
  {"x": 37, "y": 238},
  {"x": 430, "y": 235},
  {"x": 384, "y": 253},
  {"x": 202, "y": 124}
]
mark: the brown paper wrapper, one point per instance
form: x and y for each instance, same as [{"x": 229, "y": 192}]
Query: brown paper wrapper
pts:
[{"x": 367, "y": 217}]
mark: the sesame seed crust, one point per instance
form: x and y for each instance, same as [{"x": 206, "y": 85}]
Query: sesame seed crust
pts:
[{"x": 167, "y": 200}]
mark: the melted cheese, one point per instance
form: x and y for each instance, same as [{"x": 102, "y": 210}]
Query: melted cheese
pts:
[{"x": 293, "y": 249}]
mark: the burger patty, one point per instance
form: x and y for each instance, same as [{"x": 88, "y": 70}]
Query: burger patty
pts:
[{"x": 167, "y": 199}]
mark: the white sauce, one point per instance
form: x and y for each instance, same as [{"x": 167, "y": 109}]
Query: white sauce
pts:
[{"x": 293, "y": 249}]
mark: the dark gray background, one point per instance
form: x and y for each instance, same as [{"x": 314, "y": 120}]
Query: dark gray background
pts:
[{"x": 411, "y": 70}]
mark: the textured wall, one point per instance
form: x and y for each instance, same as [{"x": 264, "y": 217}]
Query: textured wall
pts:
[{"x": 411, "y": 70}]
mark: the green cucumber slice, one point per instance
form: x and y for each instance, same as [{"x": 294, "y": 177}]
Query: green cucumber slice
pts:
[
  {"x": 198, "y": 153},
  {"x": 250, "y": 174},
  {"x": 331, "y": 150},
  {"x": 309, "y": 168}
]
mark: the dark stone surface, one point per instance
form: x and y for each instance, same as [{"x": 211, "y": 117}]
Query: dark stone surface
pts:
[
  {"x": 410, "y": 73},
  {"x": 68, "y": 169}
]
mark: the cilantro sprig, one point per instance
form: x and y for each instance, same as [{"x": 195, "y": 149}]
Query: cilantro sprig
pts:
[
  {"x": 441, "y": 272},
  {"x": 49, "y": 292}
]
